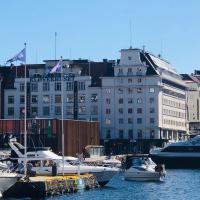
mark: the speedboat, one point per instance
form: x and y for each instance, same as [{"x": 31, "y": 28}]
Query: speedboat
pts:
[
  {"x": 43, "y": 159},
  {"x": 7, "y": 180},
  {"x": 183, "y": 154},
  {"x": 143, "y": 169}
]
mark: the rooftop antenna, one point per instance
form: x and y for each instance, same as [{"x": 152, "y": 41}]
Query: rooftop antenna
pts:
[
  {"x": 55, "y": 45},
  {"x": 161, "y": 48},
  {"x": 130, "y": 24}
]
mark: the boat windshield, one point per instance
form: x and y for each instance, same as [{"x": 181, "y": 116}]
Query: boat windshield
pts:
[{"x": 60, "y": 163}]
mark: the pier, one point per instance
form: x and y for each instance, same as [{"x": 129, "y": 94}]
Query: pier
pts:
[{"x": 44, "y": 186}]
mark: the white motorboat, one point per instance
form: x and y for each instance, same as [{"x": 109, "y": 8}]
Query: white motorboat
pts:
[
  {"x": 144, "y": 170},
  {"x": 43, "y": 159},
  {"x": 7, "y": 180}
]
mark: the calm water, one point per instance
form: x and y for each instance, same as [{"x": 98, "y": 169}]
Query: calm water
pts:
[{"x": 179, "y": 184}]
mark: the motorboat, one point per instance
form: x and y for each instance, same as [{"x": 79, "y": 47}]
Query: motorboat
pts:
[
  {"x": 143, "y": 169},
  {"x": 182, "y": 154},
  {"x": 7, "y": 180},
  {"x": 43, "y": 159}
]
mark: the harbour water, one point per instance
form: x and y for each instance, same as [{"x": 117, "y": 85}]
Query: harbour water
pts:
[{"x": 179, "y": 184}]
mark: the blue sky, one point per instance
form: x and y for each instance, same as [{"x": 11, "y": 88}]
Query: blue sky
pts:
[{"x": 98, "y": 29}]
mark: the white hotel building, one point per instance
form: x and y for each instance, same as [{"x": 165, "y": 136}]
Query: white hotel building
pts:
[{"x": 145, "y": 98}]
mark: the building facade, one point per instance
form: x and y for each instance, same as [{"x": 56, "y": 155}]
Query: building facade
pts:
[
  {"x": 193, "y": 101},
  {"x": 145, "y": 99},
  {"x": 139, "y": 97}
]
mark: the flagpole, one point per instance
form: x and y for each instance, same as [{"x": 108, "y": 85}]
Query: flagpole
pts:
[
  {"x": 25, "y": 114},
  {"x": 63, "y": 143}
]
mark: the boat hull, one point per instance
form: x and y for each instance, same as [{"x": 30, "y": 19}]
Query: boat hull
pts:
[
  {"x": 143, "y": 176},
  {"x": 6, "y": 182},
  {"x": 177, "y": 162}
]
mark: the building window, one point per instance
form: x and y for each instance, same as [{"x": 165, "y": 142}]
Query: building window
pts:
[
  {"x": 121, "y": 134},
  {"x": 94, "y": 97},
  {"x": 34, "y": 111},
  {"x": 121, "y": 121},
  {"x": 70, "y": 98},
  {"x": 70, "y": 110},
  {"x": 130, "y": 80},
  {"x": 139, "y": 133},
  {"x": 121, "y": 110},
  {"x": 34, "y": 87},
  {"x": 130, "y": 90},
  {"x": 22, "y": 99},
  {"x": 82, "y": 98},
  {"x": 108, "y": 121},
  {"x": 57, "y": 86},
  {"x": 152, "y": 120},
  {"x": 10, "y": 111},
  {"x": 151, "y": 90},
  {"x": 152, "y": 134},
  {"x": 139, "y": 80},
  {"x": 139, "y": 90},
  {"x": 120, "y": 71},
  {"x": 21, "y": 87},
  {"x": 152, "y": 110},
  {"x": 130, "y": 110},
  {"x": 130, "y": 100},
  {"x": 11, "y": 99},
  {"x": 22, "y": 111},
  {"x": 130, "y": 120},
  {"x": 108, "y": 134},
  {"x": 139, "y": 120},
  {"x": 45, "y": 86},
  {"x": 82, "y": 110},
  {"x": 46, "y": 111},
  {"x": 57, "y": 110},
  {"x": 69, "y": 86},
  {"x": 121, "y": 101},
  {"x": 130, "y": 134},
  {"x": 139, "y": 100},
  {"x": 46, "y": 99},
  {"x": 108, "y": 101},
  {"x": 81, "y": 85},
  {"x": 120, "y": 91},
  {"x": 34, "y": 99},
  {"x": 108, "y": 90},
  {"x": 108, "y": 111},
  {"x": 129, "y": 58},
  {"x": 58, "y": 98},
  {"x": 151, "y": 100},
  {"x": 139, "y": 110},
  {"x": 94, "y": 110}
]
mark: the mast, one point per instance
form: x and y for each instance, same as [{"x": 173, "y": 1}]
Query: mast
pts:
[
  {"x": 25, "y": 114},
  {"x": 62, "y": 113}
]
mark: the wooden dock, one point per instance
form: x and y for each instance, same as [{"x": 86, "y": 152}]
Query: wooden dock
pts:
[{"x": 44, "y": 186}]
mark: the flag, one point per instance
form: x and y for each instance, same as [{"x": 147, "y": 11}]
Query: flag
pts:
[
  {"x": 56, "y": 68},
  {"x": 21, "y": 56}
]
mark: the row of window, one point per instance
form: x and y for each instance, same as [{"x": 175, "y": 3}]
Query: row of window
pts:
[
  {"x": 174, "y": 113},
  {"x": 174, "y": 104},
  {"x": 57, "y": 86},
  {"x": 131, "y": 90},
  {"x": 121, "y": 134},
  {"x": 130, "y": 120},
  {"x": 130, "y": 100},
  {"x": 46, "y": 110},
  {"x": 130, "y": 110},
  {"x": 129, "y": 72},
  {"x": 57, "y": 98},
  {"x": 173, "y": 122}
]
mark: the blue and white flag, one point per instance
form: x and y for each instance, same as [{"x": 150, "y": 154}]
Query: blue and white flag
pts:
[
  {"x": 56, "y": 68},
  {"x": 21, "y": 56}
]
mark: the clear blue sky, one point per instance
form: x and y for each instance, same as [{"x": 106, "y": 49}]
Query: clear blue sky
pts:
[{"x": 98, "y": 29}]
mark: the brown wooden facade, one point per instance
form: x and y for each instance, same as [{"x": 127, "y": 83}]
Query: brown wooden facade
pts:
[{"x": 48, "y": 132}]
